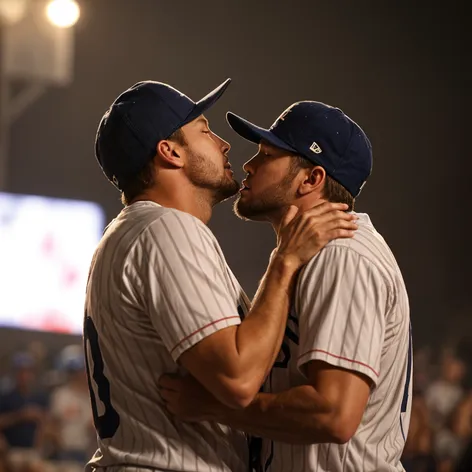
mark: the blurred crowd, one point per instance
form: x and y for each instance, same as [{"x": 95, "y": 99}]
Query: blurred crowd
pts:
[
  {"x": 45, "y": 416},
  {"x": 46, "y": 422},
  {"x": 440, "y": 435}
]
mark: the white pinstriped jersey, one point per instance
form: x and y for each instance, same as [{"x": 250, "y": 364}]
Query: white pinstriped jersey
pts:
[
  {"x": 158, "y": 284},
  {"x": 350, "y": 310}
]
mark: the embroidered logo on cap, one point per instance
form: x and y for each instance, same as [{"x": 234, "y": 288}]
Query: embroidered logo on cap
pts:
[{"x": 315, "y": 148}]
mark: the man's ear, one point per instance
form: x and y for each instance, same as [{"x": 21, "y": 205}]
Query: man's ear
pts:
[
  {"x": 313, "y": 180},
  {"x": 169, "y": 153}
]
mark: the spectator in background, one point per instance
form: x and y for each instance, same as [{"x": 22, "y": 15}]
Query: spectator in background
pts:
[
  {"x": 23, "y": 410},
  {"x": 71, "y": 414},
  {"x": 448, "y": 401},
  {"x": 444, "y": 394},
  {"x": 423, "y": 373}
]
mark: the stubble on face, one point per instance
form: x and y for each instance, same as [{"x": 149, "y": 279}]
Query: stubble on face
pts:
[
  {"x": 205, "y": 173},
  {"x": 272, "y": 201}
]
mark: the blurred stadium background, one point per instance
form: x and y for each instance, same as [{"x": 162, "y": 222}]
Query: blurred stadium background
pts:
[{"x": 399, "y": 69}]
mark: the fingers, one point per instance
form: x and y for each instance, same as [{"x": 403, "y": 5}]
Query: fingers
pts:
[
  {"x": 307, "y": 232},
  {"x": 322, "y": 213},
  {"x": 307, "y": 222},
  {"x": 335, "y": 221},
  {"x": 342, "y": 233},
  {"x": 333, "y": 230},
  {"x": 293, "y": 214},
  {"x": 326, "y": 218},
  {"x": 172, "y": 402},
  {"x": 167, "y": 395},
  {"x": 341, "y": 229},
  {"x": 339, "y": 233},
  {"x": 326, "y": 207},
  {"x": 320, "y": 229}
]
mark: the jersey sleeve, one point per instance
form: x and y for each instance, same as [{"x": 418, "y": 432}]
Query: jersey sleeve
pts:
[
  {"x": 342, "y": 304},
  {"x": 189, "y": 294}
]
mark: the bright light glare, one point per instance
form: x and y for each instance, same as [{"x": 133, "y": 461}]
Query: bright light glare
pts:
[
  {"x": 12, "y": 11},
  {"x": 63, "y": 13}
]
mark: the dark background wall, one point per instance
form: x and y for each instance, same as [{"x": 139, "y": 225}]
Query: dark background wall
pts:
[{"x": 398, "y": 68}]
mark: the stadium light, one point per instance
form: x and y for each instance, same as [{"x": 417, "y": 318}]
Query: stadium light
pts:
[
  {"x": 36, "y": 51},
  {"x": 63, "y": 13}
]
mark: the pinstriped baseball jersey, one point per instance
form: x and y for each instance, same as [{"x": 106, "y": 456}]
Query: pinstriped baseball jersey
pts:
[
  {"x": 350, "y": 310},
  {"x": 158, "y": 284}
]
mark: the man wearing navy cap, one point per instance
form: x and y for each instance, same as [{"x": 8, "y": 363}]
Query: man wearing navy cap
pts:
[
  {"x": 339, "y": 395},
  {"x": 160, "y": 296}
]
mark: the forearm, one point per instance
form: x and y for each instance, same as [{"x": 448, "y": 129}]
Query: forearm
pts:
[
  {"x": 296, "y": 416},
  {"x": 260, "y": 335}
]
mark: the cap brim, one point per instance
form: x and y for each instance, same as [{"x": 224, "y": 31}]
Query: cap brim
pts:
[
  {"x": 254, "y": 133},
  {"x": 207, "y": 102}
]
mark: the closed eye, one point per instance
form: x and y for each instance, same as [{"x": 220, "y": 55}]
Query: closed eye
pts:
[{"x": 264, "y": 152}]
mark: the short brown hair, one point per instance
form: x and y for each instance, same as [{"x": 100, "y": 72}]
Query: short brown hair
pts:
[
  {"x": 333, "y": 191},
  {"x": 146, "y": 177}
]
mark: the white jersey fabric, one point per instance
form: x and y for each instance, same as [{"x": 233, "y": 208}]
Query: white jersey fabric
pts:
[
  {"x": 158, "y": 285},
  {"x": 350, "y": 310}
]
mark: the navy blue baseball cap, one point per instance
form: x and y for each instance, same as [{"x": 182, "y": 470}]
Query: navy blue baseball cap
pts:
[
  {"x": 137, "y": 120},
  {"x": 320, "y": 133}
]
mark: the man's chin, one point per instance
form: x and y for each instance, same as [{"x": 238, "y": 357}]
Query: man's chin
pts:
[
  {"x": 227, "y": 191},
  {"x": 247, "y": 212}
]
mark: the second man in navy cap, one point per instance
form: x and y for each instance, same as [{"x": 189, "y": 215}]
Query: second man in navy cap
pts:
[{"x": 338, "y": 397}]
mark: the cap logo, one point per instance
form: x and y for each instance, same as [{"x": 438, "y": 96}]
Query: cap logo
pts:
[
  {"x": 115, "y": 180},
  {"x": 315, "y": 148}
]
